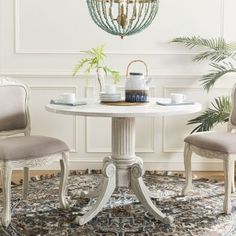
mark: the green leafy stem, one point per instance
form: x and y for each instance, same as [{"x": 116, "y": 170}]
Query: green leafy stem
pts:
[
  {"x": 94, "y": 62},
  {"x": 222, "y": 60}
]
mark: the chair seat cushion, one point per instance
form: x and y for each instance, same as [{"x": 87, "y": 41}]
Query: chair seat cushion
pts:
[
  {"x": 214, "y": 141},
  {"x": 30, "y": 147}
]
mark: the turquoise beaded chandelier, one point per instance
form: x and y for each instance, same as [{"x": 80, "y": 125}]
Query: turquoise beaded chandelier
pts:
[{"x": 123, "y": 17}]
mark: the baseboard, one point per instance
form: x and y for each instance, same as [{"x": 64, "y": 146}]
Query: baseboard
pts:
[{"x": 170, "y": 166}]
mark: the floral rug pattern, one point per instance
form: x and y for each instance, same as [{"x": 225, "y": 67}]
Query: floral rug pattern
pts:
[{"x": 199, "y": 214}]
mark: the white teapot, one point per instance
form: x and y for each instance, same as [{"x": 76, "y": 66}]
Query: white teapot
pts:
[{"x": 137, "y": 85}]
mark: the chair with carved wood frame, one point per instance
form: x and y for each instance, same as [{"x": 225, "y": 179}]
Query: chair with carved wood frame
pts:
[
  {"x": 24, "y": 151},
  {"x": 219, "y": 145}
]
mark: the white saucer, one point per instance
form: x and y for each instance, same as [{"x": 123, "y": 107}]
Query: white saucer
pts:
[
  {"x": 110, "y": 99},
  {"x": 109, "y": 94},
  {"x": 62, "y": 102},
  {"x": 167, "y": 102}
]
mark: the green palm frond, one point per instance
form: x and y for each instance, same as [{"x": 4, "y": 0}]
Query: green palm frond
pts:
[
  {"x": 216, "y": 73},
  {"x": 217, "y": 48},
  {"x": 196, "y": 41},
  {"x": 215, "y": 56},
  {"x": 219, "y": 113},
  {"x": 222, "y": 57}
]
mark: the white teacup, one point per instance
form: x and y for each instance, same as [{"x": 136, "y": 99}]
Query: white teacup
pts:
[
  {"x": 177, "y": 97},
  {"x": 68, "y": 97},
  {"x": 110, "y": 88}
]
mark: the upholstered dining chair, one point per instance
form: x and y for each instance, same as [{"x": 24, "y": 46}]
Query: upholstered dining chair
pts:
[
  {"x": 220, "y": 145},
  {"x": 24, "y": 151}
]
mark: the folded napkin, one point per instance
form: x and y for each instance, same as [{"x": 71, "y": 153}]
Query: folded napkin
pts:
[
  {"x": 61, "y": 102},
  {"x": 167, "y": 102}
]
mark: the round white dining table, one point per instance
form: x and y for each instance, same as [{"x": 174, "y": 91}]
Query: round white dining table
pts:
[{"x": 123, "y": 168}]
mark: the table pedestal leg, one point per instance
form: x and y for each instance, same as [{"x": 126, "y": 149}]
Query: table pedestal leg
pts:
[
  {"x": 123, "y": 169},
  {"x": 96, "y": 191},
  {"x": 108, "y": 187},
  {"x": 144, "y": 195}
]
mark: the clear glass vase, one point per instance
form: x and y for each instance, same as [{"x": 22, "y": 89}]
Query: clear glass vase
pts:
[{"x": 101, "y": 79}]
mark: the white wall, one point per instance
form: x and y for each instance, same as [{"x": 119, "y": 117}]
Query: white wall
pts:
[{"x": 41, "y": 40}]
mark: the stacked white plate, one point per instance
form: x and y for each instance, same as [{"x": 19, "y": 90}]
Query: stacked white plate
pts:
[{"x": 110, "y": 97}]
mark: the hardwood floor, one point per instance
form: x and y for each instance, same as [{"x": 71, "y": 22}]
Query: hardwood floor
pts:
[
  {"x": 217, "y": 175},
  {"x": 17, "y": 175}
]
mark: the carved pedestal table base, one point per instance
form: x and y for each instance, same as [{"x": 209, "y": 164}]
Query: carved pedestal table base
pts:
[{"x": 123, "y": 169}]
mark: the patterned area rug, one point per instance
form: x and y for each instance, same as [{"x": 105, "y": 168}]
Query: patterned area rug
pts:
[{"x": 198, "y": 214}]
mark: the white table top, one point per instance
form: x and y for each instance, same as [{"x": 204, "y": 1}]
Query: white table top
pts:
[{"x": 151, "y": 109}]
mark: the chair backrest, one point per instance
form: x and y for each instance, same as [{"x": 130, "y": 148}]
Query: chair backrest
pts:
[
  {"x": 14, "y": 112},
  {"x": 232, "y": 118}
]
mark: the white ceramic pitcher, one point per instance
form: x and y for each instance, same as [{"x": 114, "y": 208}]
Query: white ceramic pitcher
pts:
[{"x": 137, "y": 85}]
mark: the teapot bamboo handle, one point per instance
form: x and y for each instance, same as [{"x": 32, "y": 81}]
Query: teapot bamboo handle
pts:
[{"x": 134, "y": 61}]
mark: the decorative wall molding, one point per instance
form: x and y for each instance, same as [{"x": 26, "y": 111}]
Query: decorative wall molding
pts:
[
  {"x": 166, "y": 149},
  {"x": 154, "y": 155},
  {"x": 61, "y": 75},
  {"x": 16, "y": 21},
  {"x": 222, "y": 26},
  {"x": 19, "y": 50},
  {"x": 75, "y": 148},
  {"x": 149, "y": 165},
  {"x": 90, "y": 149},
  {"x": 167, "y": 72},
  {"x": 68, "y": 75}
]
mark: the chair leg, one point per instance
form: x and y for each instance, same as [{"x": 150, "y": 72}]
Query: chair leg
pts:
[
  {"x": 228, "y": 183},
  {"x": 188, "y": 169},
  {"x": 6, "y": 173},
  {"x": 25, "y": 182},
  {"x": 233, "y": 179},
  {"x": 63, "y": 181}
]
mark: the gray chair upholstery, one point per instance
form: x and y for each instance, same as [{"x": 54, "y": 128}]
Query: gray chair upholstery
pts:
[
  {"x": 232, "y": 121},
  {"x": 220, "y": 145},
  {"x": 30, "y": 147},
  {"x": 24, "y": 151},
  {"x": 12, "y": 106},
  {"x": 214, "y": 141}
]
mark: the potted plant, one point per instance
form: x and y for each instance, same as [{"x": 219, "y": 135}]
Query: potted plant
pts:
[
  {"x": 94, "y": 61},
  {"x": 222, "y": 60}
]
